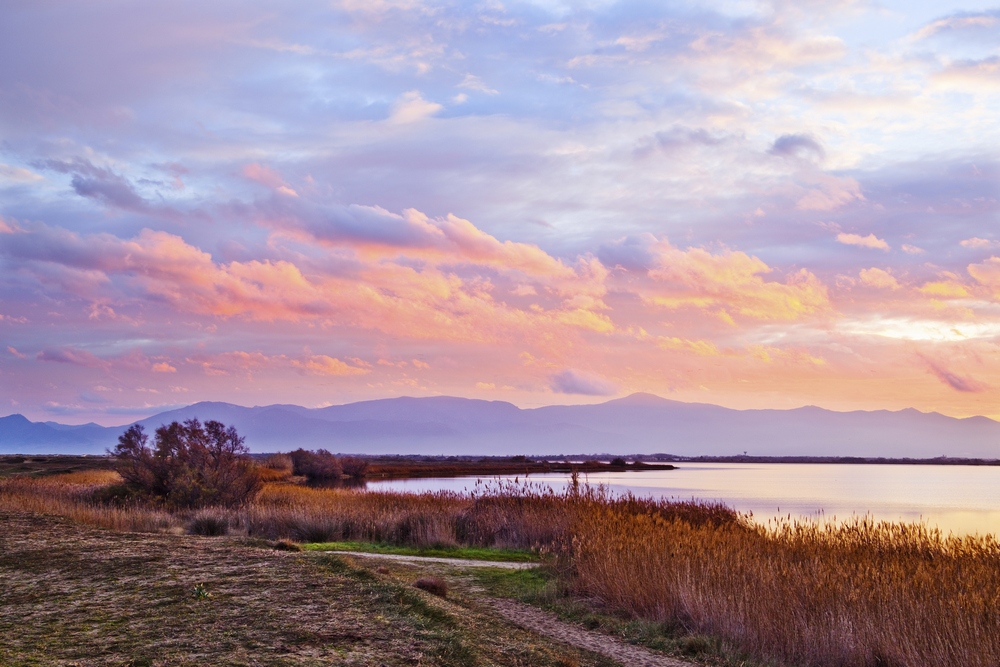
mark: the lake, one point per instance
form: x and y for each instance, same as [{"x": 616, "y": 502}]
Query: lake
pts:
[{"x": 962, "y": 500}]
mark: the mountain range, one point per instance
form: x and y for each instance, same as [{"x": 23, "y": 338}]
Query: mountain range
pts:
[{"x": 636, "y": 424}]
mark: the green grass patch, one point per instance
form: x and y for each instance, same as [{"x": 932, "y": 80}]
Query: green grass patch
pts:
[
  {"x": 466, "y": 553},
  {"x": 535, "y": 586}
]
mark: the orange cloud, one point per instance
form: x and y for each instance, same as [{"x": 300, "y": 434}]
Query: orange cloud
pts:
[
  {"x": 321, "y": 364},
  {"x": 237, "y": 361},
  {"x": 700, "y": 347},
  {"x": 947, "y": 289},
  {"x": 732, "y": 282}
]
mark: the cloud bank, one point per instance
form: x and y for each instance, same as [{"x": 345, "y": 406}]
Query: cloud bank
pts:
[{"x": 744, "y": 205}]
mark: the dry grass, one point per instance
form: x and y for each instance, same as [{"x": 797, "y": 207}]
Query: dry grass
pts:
[
  {"x": 74, "y": 499},
  {"x": 863, "y": 594},
  {"x": 433, "y": 585},
  {"x": 85, "y": 478},
  {"x": 74, "y": 595},
  {"x": 859, "y": 594}
]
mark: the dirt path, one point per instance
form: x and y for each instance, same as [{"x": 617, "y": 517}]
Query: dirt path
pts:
[
  {"x": 544, "y": 623},
  {"x": 431, "y": 560}
]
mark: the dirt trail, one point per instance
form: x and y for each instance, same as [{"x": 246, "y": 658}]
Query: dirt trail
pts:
[
  {"x": 547, "y": 624},
  {"x": 543, "y": 622},
  {"x": 419, "y": 560}
]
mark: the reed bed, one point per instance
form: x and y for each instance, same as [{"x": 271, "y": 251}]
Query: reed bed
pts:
[
  {"x": 863, "y": 593},
  {"x": 73, "y": 496},
  {"x": 860, "y": 594}
]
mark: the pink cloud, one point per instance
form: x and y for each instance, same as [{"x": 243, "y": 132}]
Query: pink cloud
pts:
[
  {"x": 879, "y": 278},
  {"x": 831, "y": 194},
  {"x": 977, "y": 243},
  {"x": 987, "y": 274},
  {"x": 69, "y": 355},
  {"x": 268, "y": 177},
  {"x": 957, "y": 382},
  {"x": 870, "y": 241}
]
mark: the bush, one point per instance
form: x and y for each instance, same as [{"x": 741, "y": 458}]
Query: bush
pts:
[
  {"x": 190, "y": 465},
  {"x": 354, "y": 468},
  {"x": 318, "y": 466},
  {"x": 433, "y": 585},
  {"x": 287, "y": 545},
  {"x": 210, "y": 523}
]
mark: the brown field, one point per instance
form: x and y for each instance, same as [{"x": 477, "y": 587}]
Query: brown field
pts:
[
  {"x": 76, "y": 595},
  {"x": 863, "y": 594}
]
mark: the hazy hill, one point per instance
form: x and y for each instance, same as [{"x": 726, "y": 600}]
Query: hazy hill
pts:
[{"x": 640, "y": 423}]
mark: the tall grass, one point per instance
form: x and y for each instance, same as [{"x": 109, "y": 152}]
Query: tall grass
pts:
[
  {"x": 72, "y": 496},
  {"x": 861, "y": 594}
]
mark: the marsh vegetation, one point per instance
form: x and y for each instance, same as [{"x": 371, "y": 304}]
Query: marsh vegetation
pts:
[{"x": 860, "y": 593}]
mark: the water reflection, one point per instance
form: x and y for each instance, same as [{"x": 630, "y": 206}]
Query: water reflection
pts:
[{"x": 962, "y": 500}]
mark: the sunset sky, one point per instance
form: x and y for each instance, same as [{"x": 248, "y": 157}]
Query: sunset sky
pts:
[{"x": 752, "y": 204}]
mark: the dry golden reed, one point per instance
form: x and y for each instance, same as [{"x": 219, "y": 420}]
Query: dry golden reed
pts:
[
  {"x": 71, "y": 495},
  {"x": 863, "y": 593}
]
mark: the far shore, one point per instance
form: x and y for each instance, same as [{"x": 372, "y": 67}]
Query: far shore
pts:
[{"x": 396, "y": 467}]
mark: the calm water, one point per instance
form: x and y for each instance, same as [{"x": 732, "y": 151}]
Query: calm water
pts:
[{"x": 958, "y": 499}]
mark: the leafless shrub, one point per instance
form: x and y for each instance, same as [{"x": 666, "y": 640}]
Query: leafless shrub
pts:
[{"x": 189, "y": 465}]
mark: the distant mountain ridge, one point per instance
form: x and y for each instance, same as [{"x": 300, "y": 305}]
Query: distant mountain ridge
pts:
[{"x": 640, "y": 423}]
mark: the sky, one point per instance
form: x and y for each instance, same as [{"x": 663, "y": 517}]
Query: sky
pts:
[{"x": 751, "y": 204}]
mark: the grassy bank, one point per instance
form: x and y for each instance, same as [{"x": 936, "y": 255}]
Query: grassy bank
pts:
[{"x": 862, "y": 594}]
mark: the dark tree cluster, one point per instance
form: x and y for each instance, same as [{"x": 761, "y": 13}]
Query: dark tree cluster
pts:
[
  {"x": 322, "y": 466},
  {"x": 188, "y": 465}
]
